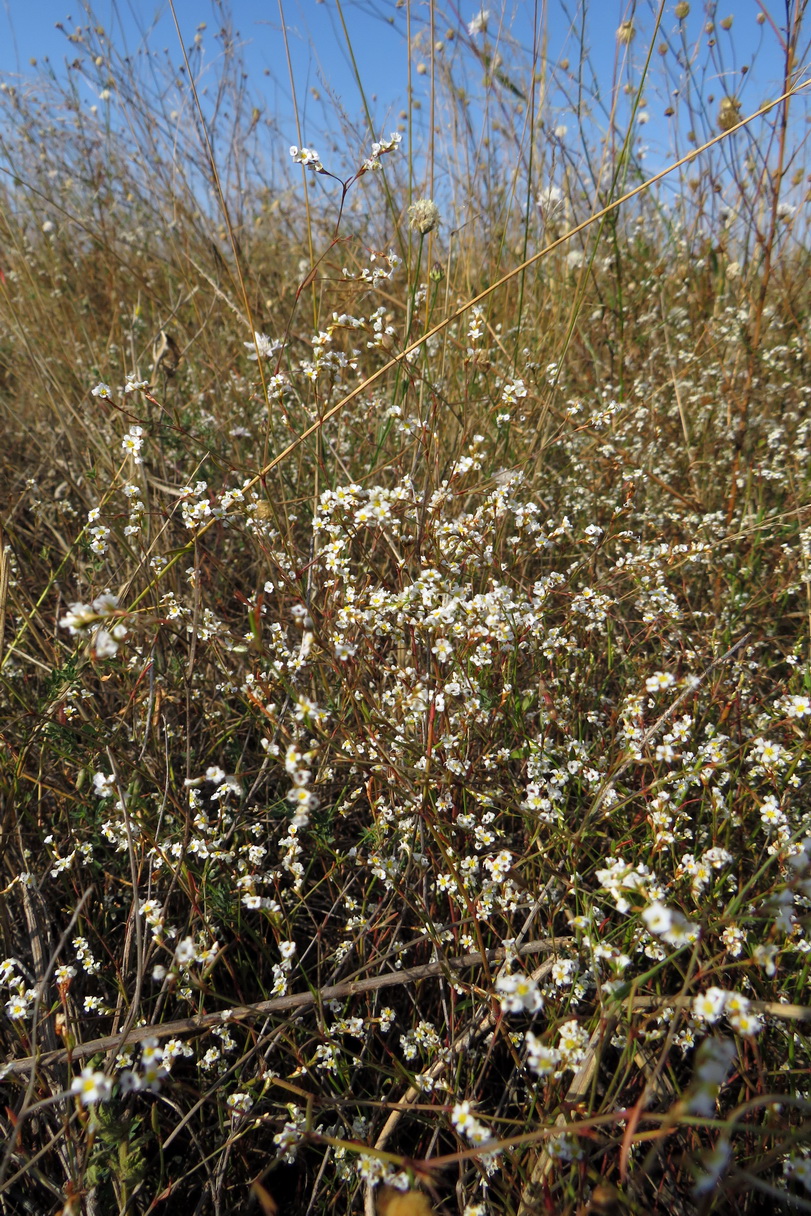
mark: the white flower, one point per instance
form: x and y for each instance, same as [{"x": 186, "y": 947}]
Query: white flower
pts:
[
  {"x": 133, "y": 383},
  {"x": 764, "y": 955},
  {"x": 519, "y": 993},
  {"x": 239, "y": 1103},
  {"x": 740, "y": 1016},
  {"x": 563, "y": 1147},
  {"x": 658, "y": 919},
  {"x": 512, "y": 390},
  {"x": 443, "y": 649},
  {"x": 542, "y": 1058},
  {"x": 17, "y": 1007},
  {"x": 105, "y": 642},
  {"x": 479, "y": 23},
  {"x": 746, "y": 1022},
  {"x": 103, "y": 785},
  {"x": 713, "y": 1165},
  {"x": 564, "y": 971},
  {"x": 467, "y": 1124},
  {"x": 262, "y": 346},
  {"x": 714, "y": 1059},
  {"x": 132, "y": 443},
  {"x": 572, "y": 1043},
  {"x": 669, "y": 924},
  {"x": 91, "y": 1087},
  {"x": 307, "y": 157},
  {"x": 709, "y": 1005},
  {"x": 78, "y": 618},
  {"x": 8, "y": 970},
  {"x": 799, "y": 1168},
  {"x": 461, "y": 1117},
  {"x": 186, "y": 951}
]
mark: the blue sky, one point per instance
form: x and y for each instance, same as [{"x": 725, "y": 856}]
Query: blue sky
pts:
[
  {"x": 321, "y": 63},
  {"x": 28, "y": 30}
]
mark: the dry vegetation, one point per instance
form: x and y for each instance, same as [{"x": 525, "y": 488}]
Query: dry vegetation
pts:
[{"x": 405, "y": 666}]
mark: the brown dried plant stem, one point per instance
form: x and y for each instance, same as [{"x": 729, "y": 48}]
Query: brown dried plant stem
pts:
[{"x": 280, "y": 1004}]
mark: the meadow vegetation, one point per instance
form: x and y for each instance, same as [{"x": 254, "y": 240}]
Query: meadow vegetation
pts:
[{"x": 404, "y": 674}]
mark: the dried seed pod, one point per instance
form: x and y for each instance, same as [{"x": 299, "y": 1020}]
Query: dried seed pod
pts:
[{"x": 729, "y": 113}]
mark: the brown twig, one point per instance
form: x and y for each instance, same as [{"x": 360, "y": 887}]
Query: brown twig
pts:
[{"x": 279, "y": 1004}]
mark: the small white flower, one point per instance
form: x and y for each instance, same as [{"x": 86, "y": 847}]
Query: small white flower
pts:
[
  {"x": 78, "y": 618},
  {"x": 658, "y": 919},
  {"x": 519, "y": 993},
  {"x": 542, "y": 1058},
  {"x": 479, "y": 23},
  {"x": 91, "y": 1087},
  {"x": 307, "y": 157},
  {"x": 239, "y": 1103},
  {"x": 105, "y": 644},
  {"x": 186, "y": 951},
  {"x": 262, "y": 346},
  {"x": 709, "y": 1005},
  {"x": 104, "y": 785},
  {"x": 17, "y": 1007}
]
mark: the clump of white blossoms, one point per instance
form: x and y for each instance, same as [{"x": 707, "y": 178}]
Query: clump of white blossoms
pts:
[
  {"x": 380, "y": 148},
  {"x": 669, "y": 924},
  {"x": 239, "y": 1103},
  {"x": 542, "y": 1058},
  {"x": 153, "y": 1070},
  {"x": 89, "y": 620},
  {"x": 132, "y": 443},
  {"x": 713, "y": 1162},
  {"x": 466, "y": 1124},
  {"x": 307, "y": 157},
  {"x": 716, "y": 1002},
  {"x": 423, "y": 216}
]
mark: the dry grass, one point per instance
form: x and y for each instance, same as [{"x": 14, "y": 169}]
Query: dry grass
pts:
[{"x": 404, "y": 731}]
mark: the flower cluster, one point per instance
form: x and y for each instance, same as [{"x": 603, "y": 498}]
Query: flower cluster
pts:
[
  {"x": 94, "y": 622},
  {"x": 715, "y": 1003}
]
